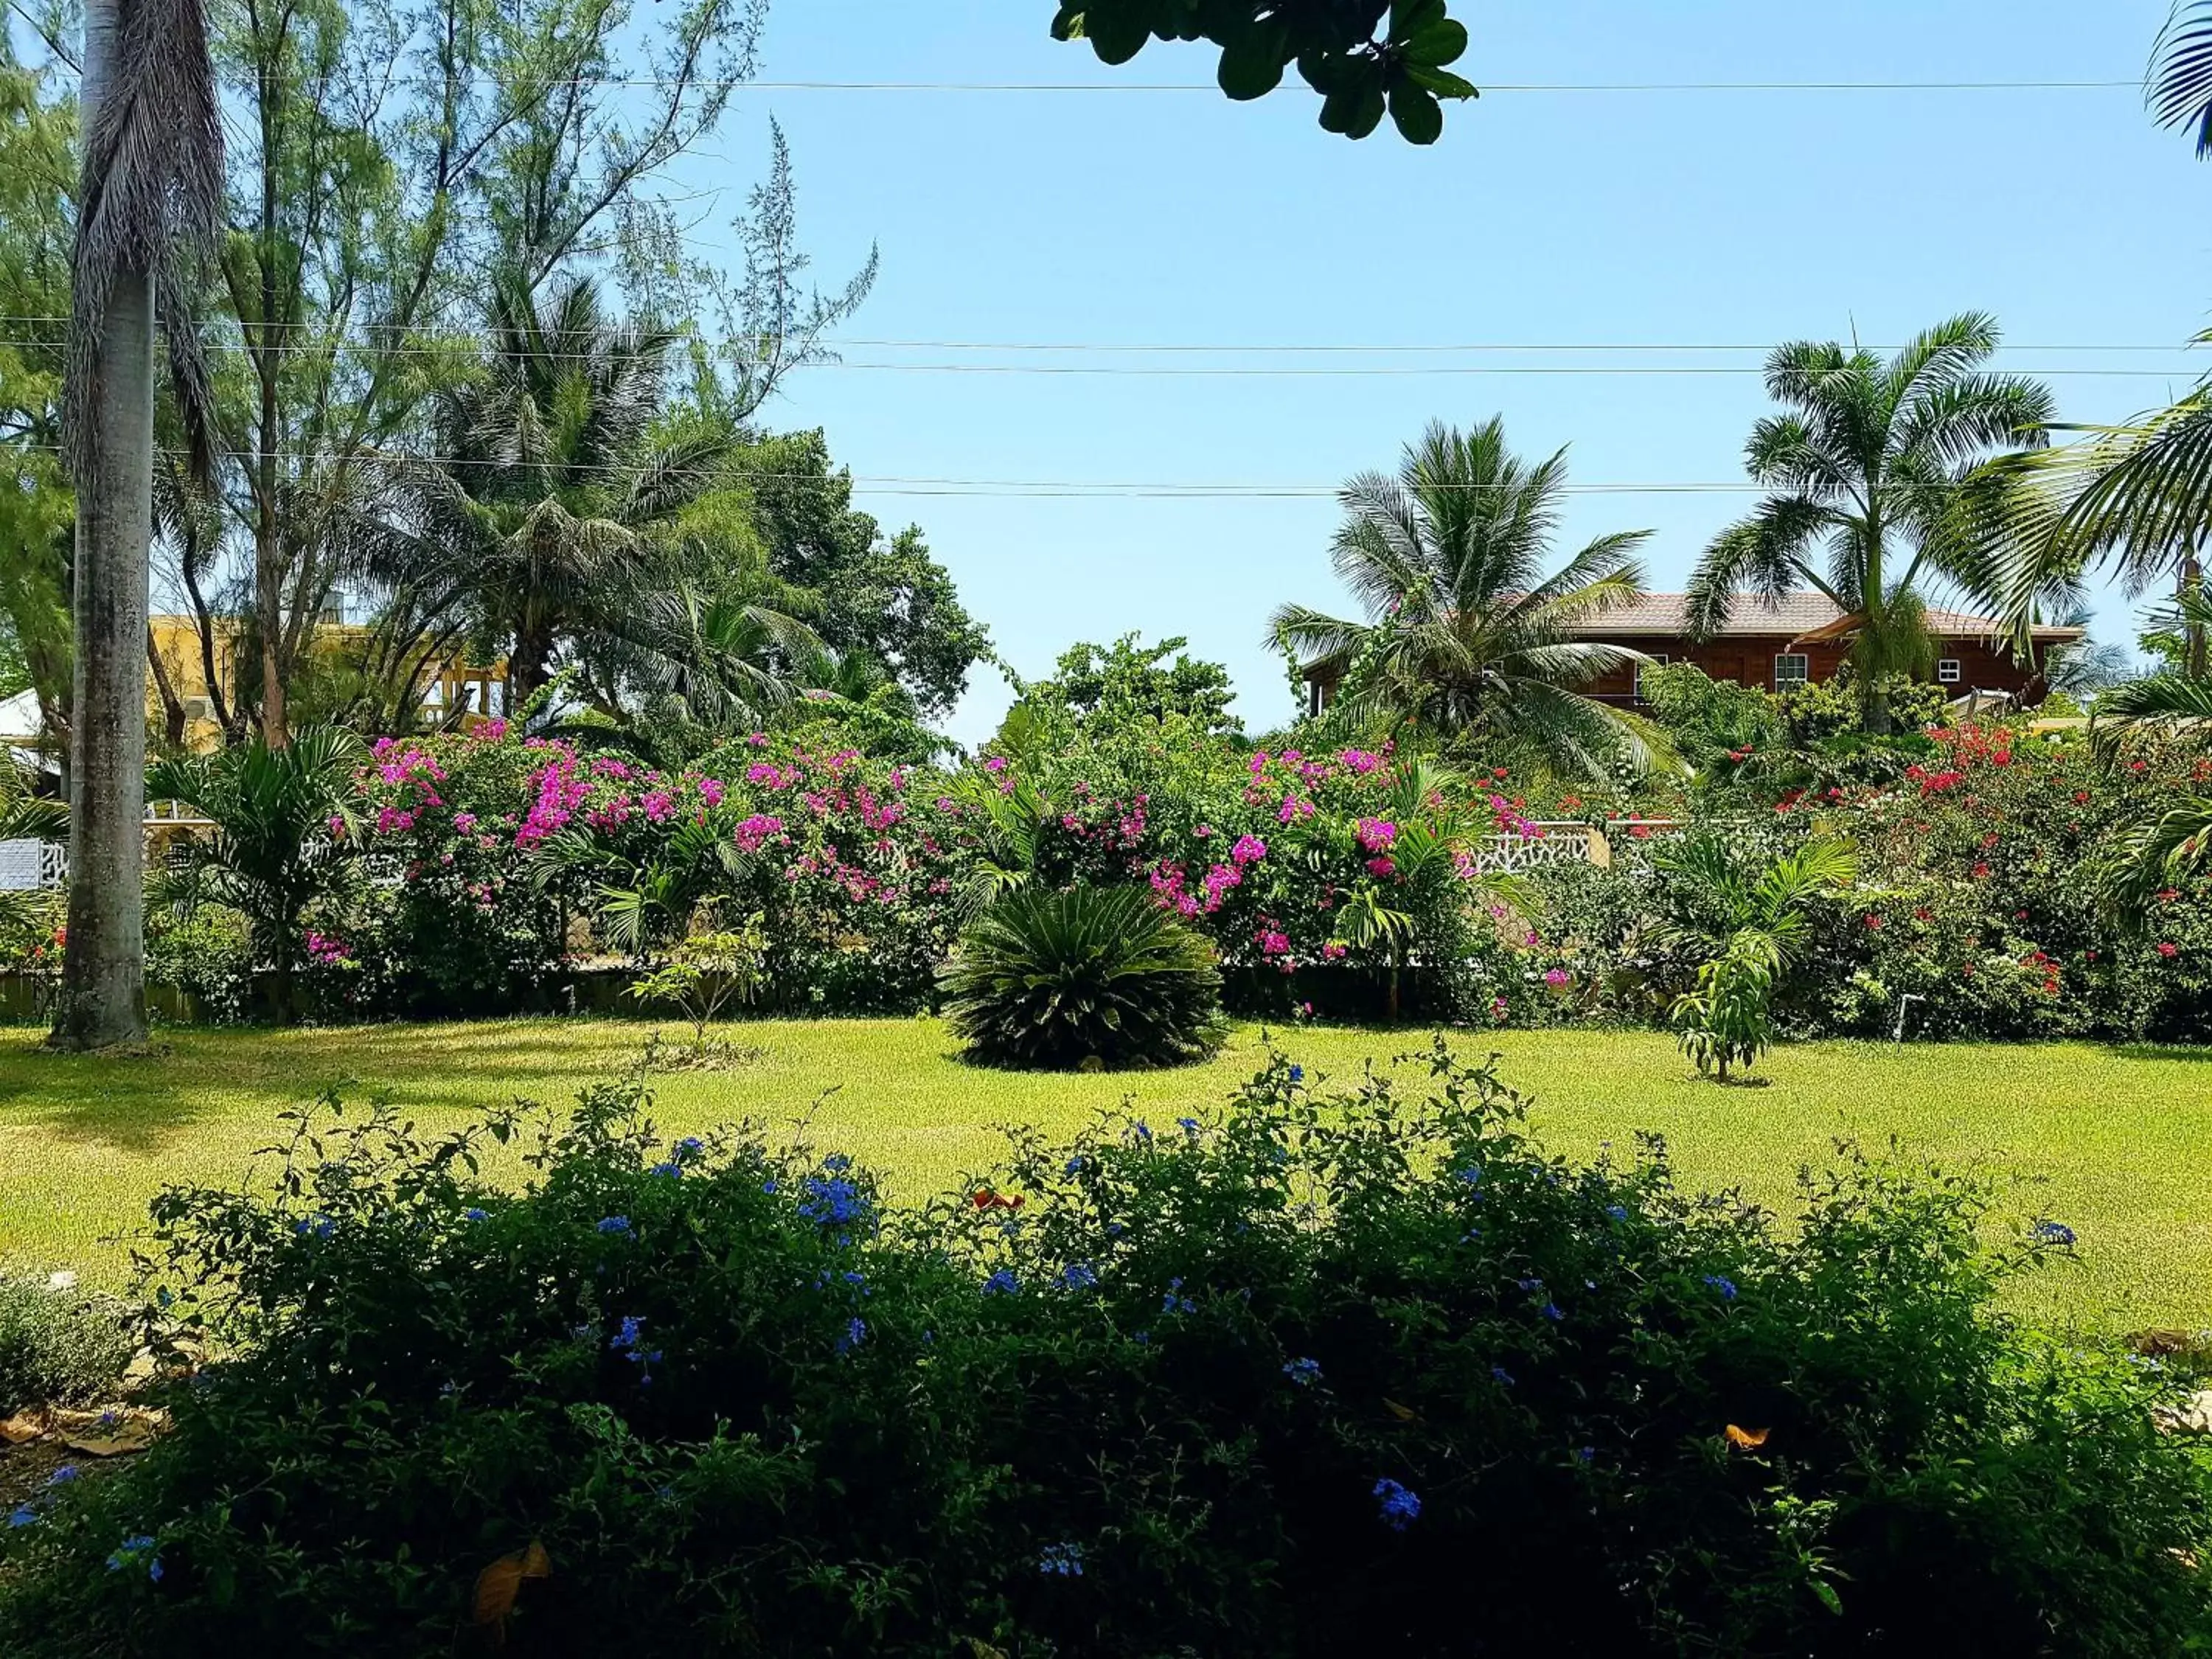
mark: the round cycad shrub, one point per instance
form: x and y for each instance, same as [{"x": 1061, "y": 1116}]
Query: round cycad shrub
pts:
[{"x": 1090, "y": 975}]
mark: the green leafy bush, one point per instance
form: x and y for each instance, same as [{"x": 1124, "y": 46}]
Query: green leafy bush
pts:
[
  {"x": 1327, "y": 1370},
  {"x": 285, "y": 821},
  {"x": 205, "y": 952},
  {"x": 59, "y": 1347},
  {"x": 1102, "y": 975}
]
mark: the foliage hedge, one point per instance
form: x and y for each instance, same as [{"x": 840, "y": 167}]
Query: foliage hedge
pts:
[
  {"x": 1325, "y": 1372},
  {"x": 1343, "y": 877},
  {"x": 1978, "y": 899}
]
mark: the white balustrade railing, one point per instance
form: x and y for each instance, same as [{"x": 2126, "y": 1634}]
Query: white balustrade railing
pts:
[
  {"x": 27, "y": 864},
  {"x": 1567, "y": 841}
]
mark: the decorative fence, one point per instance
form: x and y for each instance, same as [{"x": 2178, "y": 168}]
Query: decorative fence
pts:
[
  {"x": 1567, "y": 841},
  {"x": 27, "y": 865}
]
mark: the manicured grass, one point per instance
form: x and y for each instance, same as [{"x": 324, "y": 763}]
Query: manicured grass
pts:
[{"x": 2116, "y": 1143}]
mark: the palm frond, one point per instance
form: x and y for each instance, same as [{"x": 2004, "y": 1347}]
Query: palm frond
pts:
[
  {"x": 2160, "y": 853},
  {"x": 2178, "y": 86},
  {"x": 2168, "y": 703},
  {"x": 1763, "y": 554}
]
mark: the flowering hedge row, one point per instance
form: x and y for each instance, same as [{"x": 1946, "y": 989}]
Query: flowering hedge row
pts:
[
  {"x": 1977, "y": 900},
  {"x": 488, "y": 857},
  {"x": 492, "y": 862}
]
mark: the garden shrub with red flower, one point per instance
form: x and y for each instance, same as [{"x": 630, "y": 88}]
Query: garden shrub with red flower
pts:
[
  {"x": 1982, "y": 897},
  {"x": 1978, "y": 898}
]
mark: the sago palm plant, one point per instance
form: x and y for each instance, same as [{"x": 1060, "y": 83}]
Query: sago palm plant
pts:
[{"x": 1088, "y": 976}]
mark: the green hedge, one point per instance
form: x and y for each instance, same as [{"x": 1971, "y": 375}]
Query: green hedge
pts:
[{"x": 1323, "y": 1373}]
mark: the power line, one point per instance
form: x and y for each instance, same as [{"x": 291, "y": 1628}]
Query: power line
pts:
[
  {"x": 2133, "y": 84},
  {"x": 1542, "y": 88},
  {"x": 463, "y": 340},
  {"x": 1010, "y": 488},
  {"x": 1154, "y": 371}
]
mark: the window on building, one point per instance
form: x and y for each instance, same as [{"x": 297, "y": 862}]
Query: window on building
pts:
[
  {"x": 1947, "y": 671},
  {"x": 1791, "y": 668},
  {"x": 1658, "y": 660}
]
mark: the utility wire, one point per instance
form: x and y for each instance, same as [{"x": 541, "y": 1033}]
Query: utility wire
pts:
[
  {"x": 987, "y": 486},
  {"x": 1149, "y": 371},
  {"x": 464, "y": 340}
]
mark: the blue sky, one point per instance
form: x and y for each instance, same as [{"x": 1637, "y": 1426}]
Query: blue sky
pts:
[{"x": 1545, "y": 219}]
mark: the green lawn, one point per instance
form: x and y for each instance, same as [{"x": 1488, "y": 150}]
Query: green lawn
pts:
[{"x": 2120, "y": 1141}]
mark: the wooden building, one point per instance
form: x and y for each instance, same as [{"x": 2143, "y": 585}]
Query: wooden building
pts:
[{"x": 1804, "y": 638}]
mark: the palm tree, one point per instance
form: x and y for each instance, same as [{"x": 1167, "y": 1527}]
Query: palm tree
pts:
[
  {"x": 556, "y": 480},
  {"x": 728, "y": 651},
  {"x": 2140, "y": 494},
  {"x": 1465, "y": 633},
  {"x": 2088, "y": 665},
  {"x": 1761, "y": 930},
  {"x": 285, "y": 824},
  {"x": 644, "y": 903},
  {"x": 151, "y": 194},
  {"x": 1868, "y": 469}
]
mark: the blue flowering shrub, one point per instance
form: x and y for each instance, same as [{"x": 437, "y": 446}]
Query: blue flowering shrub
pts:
[{"x": 1325, "y": 1372}]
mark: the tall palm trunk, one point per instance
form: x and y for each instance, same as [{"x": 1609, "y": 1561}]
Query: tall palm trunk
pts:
[{"x": 103, "y": 1001}]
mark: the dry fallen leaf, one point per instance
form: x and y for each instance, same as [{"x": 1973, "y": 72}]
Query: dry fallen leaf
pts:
[
  {"x": 22, "y": 1427},
  {"x": 1403, "y": 1413},
  {"x": 1748, "y": 1439},
  {"x": 500, "y": 1583},
  {"x": 109, "y": 1433}
]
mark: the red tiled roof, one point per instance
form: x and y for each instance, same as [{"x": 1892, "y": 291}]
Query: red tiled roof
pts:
[{"x": 1797, "y": 614}]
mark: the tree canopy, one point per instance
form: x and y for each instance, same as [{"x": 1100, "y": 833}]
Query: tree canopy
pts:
[{"x": 1365, "y": 57}]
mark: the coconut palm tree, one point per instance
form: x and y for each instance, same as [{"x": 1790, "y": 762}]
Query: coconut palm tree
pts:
[
  {"x": 1465, "y": 633},
  {"x": 556, "y": 479},
  {"x": 1867, "y": 466},
  {"x": 151, "y": 194}
]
